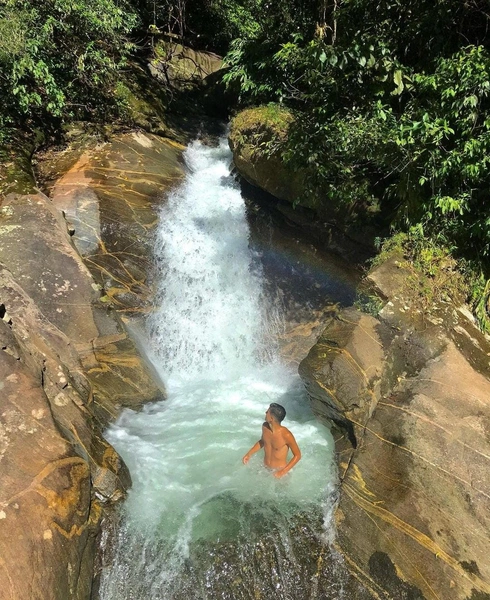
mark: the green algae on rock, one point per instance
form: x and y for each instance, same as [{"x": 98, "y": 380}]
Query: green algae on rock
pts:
[
  {"x": 256, "y": 137},
  {"x": 16, "y": 175},
  {"x": 260, "y": 139}
]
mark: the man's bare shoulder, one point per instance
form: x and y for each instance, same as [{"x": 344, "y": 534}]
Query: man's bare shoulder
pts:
[{"x": 286, "y": 433}]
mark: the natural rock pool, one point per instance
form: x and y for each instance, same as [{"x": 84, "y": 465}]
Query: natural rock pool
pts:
[{"x": 197, "y": 523}]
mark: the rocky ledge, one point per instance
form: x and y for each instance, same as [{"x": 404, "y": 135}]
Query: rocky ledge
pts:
[
  {"x": 67, "y": 364},
  {"x": 408, "y": 395},
  {"x": 258, "y": 138}
]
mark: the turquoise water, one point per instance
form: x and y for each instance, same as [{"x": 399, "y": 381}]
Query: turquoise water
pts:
[{"x": 196, "y": 518}]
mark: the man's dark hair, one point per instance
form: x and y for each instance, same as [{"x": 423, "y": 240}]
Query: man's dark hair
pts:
[{"x": 277, "y": 411}]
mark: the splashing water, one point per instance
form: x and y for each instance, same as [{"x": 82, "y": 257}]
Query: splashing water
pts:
[{"x": 197, "y": 523}]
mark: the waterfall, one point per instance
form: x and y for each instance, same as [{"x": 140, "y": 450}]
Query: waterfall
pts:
[
  {"x": 208, "y": 319},
  {"x": 197, "y": 523}
]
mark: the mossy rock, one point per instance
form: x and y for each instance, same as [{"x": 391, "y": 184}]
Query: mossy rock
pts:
[
  {"x": 256, "y": 138},
  {"x": 145, "y": 101},
  {"x": 261, "y": 145},
  {"x": 15, "y": 166}
]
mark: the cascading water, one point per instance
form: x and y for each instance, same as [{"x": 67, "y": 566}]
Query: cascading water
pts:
[{"x": 197, "y": 523}]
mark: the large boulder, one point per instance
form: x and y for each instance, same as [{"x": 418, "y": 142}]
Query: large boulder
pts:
[
  {"x": 257, "y": 139},
  {"x": 110, "y": 198},
  {"x": 192, "y": 79},
  {"x": 60, "y": 286},
  {"x": 342, "y": 374},
  {"x": 254, "y": 134},
  {"x": 67, "y": 363},
  {"x": 55, "y": 467},
  {"x": 411, "y": 393},
  {"x": 181, "y": 66}
]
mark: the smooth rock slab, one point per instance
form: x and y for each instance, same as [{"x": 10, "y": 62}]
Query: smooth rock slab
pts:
[
  {"x": 414, "y": 510},
  {"x": 111, "y": 198},
  {"x": 37, "y": 250},
  {"x": 66, "y": 367},
  {"x": 342, "y": 375},
  {"x": 417, "y": 493}
]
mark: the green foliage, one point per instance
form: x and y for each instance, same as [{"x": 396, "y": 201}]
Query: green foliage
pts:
[
  {"x": 481, "y": 303},
  {"x": 434, "y": 274},
  {"x": 394, "y": 116},
  {"x": 369, "y": 303},
  {"x": 219, "y": 22},
  {"x": 59, "y": 58}
]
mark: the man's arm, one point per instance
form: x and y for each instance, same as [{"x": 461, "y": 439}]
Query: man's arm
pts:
[
  {"x": 255, "y": 448},
  {"x": 293, "y": 446}
]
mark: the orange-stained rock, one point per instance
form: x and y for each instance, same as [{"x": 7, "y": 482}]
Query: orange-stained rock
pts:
[
  {"x": 110, "y": 197},
  {"x": 414, "y": 510},
  {"x": 67, "y": 364},
  {"x": 46, "y": 514},
  {"x": 58, "y": 285}
]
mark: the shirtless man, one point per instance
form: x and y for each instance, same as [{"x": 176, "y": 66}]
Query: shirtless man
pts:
[{"x": 276, "y": 441}]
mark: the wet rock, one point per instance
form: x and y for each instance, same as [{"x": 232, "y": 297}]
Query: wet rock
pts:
[
  {"x": 47, "y": 518},
  {"x": 342, "y": 374},
  {"x": 66, "y": 367},
  {"x": 110, "y": 197},
  {"x": 61, "y": 288},
  {"x": 414, "y": 507},
  {"x": 418, "y": 485}
]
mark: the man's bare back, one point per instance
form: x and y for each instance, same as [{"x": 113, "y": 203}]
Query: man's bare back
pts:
[{"x": 276, "y": 441}]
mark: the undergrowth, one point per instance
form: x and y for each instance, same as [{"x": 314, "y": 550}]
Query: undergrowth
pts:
[{"x": 434, "y": 275}]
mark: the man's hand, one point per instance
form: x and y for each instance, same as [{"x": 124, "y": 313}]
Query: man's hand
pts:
[
  {"x": 280, "y": 473},
  {"x": 255, "y": 448}
]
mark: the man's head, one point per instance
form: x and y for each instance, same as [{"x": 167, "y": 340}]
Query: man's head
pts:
[{"x": 277, "y": 411}]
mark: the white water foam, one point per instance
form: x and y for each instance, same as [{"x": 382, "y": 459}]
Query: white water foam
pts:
[
  {"x": 211, "y": 341},
  {"x": 208, "y": 322}
]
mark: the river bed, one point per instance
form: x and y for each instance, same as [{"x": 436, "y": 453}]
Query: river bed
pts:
[{"x": 197, "y": 523}]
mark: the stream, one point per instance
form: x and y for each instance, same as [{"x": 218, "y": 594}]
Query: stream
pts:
[{"x": 197, "y": 523}]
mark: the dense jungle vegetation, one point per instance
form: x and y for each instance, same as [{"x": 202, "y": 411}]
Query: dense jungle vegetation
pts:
[{"x": 390, "y": 98}]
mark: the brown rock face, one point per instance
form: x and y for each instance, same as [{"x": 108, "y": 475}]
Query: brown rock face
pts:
[
  {"x": 342, "y": 375},
  {"x": 66, "y": 363},
  {"x": 414, "y": 509},
  {"x": 45, "y": 507},
  {"x": 57, "y": 282},
  {"x": 109, "y": 197},
  {"x": 53, "y": 459}
]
